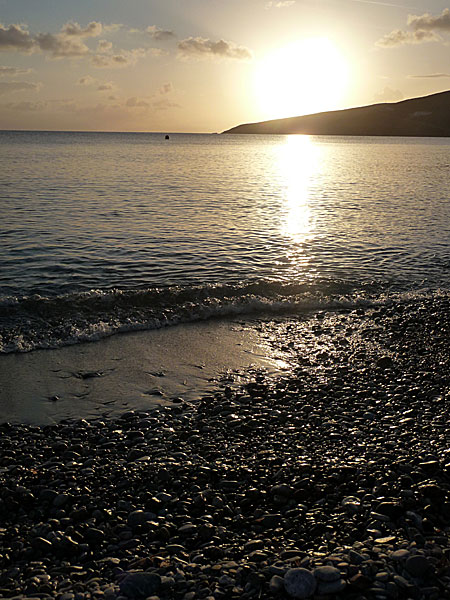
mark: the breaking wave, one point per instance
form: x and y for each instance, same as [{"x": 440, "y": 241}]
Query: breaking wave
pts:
[{"x": 33, "y": 322}]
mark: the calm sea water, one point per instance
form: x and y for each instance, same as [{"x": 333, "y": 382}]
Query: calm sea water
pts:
[{"x": 103, "y": 233}]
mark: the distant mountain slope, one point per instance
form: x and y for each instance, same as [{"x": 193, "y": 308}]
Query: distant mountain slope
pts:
[{"x": 426, "y": 116}]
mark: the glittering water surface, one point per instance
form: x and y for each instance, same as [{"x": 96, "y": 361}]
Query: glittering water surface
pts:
[{"x": 137, "y": 218}]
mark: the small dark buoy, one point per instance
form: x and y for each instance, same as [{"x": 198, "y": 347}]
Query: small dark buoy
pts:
[{"x": 167, "y": 137}]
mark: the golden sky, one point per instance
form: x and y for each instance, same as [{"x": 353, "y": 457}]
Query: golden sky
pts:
[{"x": 207, "y": 65}]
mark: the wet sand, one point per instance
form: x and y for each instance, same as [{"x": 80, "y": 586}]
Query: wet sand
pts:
[{"x": 132, "y": 370}]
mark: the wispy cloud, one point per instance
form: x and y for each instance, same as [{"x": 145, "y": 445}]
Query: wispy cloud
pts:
[
  {"x": 199, "y": 47},
  {"x": 430, "y": 76},
  {"x": 280, "y": 4},
  {"x": 101, "y": 86},
  {"x": 165, "y": 104},
  {"x": 119, "y": 60},
  {"x": 7, "y": 87},
  {"x": 166, "y": 88},
  {"x": 13, "y": 71},
  {"x": 135, "y": 102},
  {"x": 106, "y": 86},
  {"x": 160, "y": 35},
  {"x": 390, "y": 4},
  {"x": 24, "y": 106}
]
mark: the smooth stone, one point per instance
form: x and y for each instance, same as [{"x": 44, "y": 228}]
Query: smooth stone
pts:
[
  {"x": 60, "y": 500},
  {"x": 392, "y": 510},
  {"x": 135, "y": 518},
  {"x": 418, "y": 565},
  {"x": 270, "y": 521},
  {"x": 94, "y": 535},
  {"x": 188, "y": 529},
  {"x": 327, "y": 573},
  {"x": 385, "y": 362},
  {"x": 291, "y": 553},
  {"x": 401, "y": 554},
  {"x": 300, "y": 583},
  {"x": 356, "y": 558},
  {"x": 140, "y": 584},
  {"x": 400, "y": 581},
  {"x": 276, "y": 584},
  {"x": 253, "y": 545},
  {"x": 41, "y": 544},
  {"x": 175, "y": 548},
  {"x": 331, "y": 587}
]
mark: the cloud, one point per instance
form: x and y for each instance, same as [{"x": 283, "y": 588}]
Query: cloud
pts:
[
  {"x": 156, "y": 52},
  {"x": 106, "y": 86},
  {"x": 13, "y": 71},
  {"x": 160, "y": 35},
  {"x": 124, "y": 58},
  {"x": 430, "y": 23},
  {"x": 67, "y": 43},
  {"x": 399, "y": 37},
  {"x": 431, "y": 76},
  {"x": 166, "y": 88},
  {"x": 25, "y": 106},
  {"x": 93, "y": 29},
  {"x": 15, "y": 37},
  {"x": 61, "y": 46},
  {"x": 104, "y": 46},
  {"x": 280, "y": 4},
  {"x": 424, "y": 29},
  {"x": 165, "y": 104},
  {"x": 87, "y": 80},
  {"x": 8, "y": 87},
  {"x": 201, "y": 48},
  {"x": 135, "y": 102},
  {"x": 389, "y": 95}
]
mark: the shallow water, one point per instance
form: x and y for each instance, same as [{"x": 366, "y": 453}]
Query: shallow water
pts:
[{"x": 116, "y": 232}]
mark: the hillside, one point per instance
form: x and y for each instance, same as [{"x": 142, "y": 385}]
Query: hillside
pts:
[{"x": 426, "y": 116}]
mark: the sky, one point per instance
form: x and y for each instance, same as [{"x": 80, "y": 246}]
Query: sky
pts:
[{"x": 208, "y": 65}]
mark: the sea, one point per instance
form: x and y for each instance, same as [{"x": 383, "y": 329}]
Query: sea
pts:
[{"x": 106, "y": 233}]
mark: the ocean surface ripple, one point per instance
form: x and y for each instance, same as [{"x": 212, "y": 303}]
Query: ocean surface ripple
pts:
[{"x": 102, "y": 233}]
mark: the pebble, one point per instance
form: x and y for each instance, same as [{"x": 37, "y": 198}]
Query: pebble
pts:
[
  {"x": 140, "y": 584},
  {"x": 299, "y": 583},
  {"x": 327, "y": 573},
  {"x": 418, "y": 566},
  {"x": 337, "y": 469},
  {"x": 331, "y": 587}
]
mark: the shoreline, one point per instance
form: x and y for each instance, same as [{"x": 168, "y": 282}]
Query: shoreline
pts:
[
  {"x": 133, "y": 370},
  {"x": 328, "y": 480}
]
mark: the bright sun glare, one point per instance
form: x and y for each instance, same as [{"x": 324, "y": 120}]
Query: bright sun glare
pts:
[{"x": 306, "y": 76}]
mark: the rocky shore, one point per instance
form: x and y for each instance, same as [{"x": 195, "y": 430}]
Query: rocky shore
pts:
[{"x": 332, "y": 481}]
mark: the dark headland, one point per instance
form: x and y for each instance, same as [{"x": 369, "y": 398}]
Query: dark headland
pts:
[{"x": 426, "y": 116}]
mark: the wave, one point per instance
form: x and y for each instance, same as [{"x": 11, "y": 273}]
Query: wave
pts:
[{"x": 36, "y": 322}]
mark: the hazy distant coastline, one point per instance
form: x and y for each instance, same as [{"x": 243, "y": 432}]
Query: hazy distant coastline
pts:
[{"x": 428, "y": 116}]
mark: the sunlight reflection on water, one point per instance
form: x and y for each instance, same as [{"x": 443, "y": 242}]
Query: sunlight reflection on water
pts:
[
  {"x": 126, "y": 211},
  {"x": 298, "y": 159}
]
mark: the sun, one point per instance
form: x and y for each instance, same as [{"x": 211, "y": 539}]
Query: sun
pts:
[{"x": 306, "y": 76}]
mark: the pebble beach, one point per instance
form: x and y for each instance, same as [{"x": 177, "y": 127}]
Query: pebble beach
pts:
[{"x": 330, "y": 480}]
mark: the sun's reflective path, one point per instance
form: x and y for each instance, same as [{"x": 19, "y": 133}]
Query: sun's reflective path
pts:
[{"x": 298, "y": 162}]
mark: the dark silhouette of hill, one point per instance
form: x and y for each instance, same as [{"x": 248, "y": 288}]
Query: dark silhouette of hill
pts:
[{"x": 426, "y": 116}]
